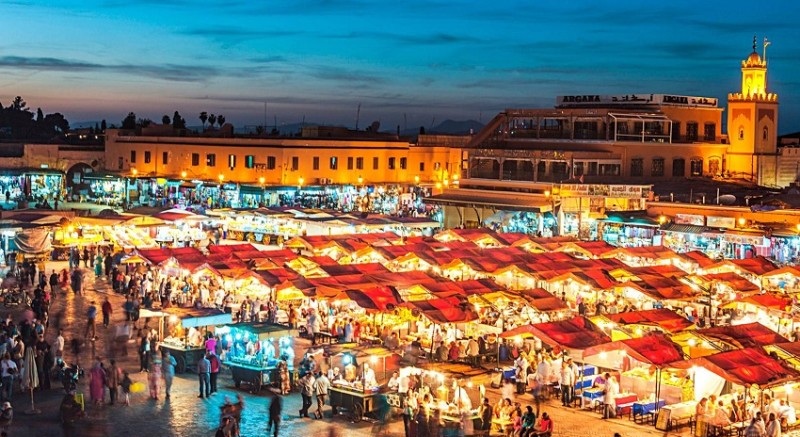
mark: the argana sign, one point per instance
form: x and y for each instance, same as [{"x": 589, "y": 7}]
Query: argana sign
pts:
[{"x": 636, "y": 99}]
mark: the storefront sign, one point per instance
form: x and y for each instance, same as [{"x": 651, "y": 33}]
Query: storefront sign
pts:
[
  {"x": 636, "y": 99},
  {"x": 689, "y": 219},
  {"x": 721, "y": 222},
  {"x": 603, "y": 190}
]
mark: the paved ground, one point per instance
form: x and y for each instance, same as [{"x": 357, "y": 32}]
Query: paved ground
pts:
[{"x": 186, "y": 415}]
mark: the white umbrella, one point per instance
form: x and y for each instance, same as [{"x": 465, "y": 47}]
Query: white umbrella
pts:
[{"x": 32, "y": 377}]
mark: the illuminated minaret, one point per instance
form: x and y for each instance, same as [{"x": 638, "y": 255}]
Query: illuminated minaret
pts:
[{"x": 753, "y": 122}]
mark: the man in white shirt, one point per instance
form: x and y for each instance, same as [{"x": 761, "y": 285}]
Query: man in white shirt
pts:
[
  {"x": 472, "y": 352},
  {"x": 8, "y": 371},
  {"x": 610, "y": 398},
  {"x": 788, "y": 413},
  {"x": 58, "y": 345},
  {"x": 369, "y": 377},
  {"x": 567, "y": 382},
  {"x": 393, "y": 381}
]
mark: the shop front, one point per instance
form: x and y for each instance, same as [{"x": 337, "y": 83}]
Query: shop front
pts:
[
  {"x": 627, "y": 230},
  {"x": 21, "y": 186},
  {"x": 255, "y": 352}
]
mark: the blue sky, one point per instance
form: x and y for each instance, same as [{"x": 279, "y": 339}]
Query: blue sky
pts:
[{"x": 409, "y": 63}]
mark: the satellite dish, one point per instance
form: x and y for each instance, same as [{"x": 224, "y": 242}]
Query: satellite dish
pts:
[{"x": 727, "y": 199}]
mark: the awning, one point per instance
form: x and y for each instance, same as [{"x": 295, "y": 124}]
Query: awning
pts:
[
  {"x": 197, "y": 317},
  {"x": 745, "y": 367},
  {"x": 686, "y": 229},
  {"x": 489, "y": 201}
]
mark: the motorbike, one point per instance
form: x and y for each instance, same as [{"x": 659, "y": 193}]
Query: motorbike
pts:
[
  {"x": 12, "y": 298},
  {"x": 68, "y": 375}
]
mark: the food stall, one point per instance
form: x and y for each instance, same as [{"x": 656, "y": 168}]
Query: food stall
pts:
[
  {"x": 371, "y": 365},
  {"x": 185, "y": 338},
  {"x": 254, "y": 351}
]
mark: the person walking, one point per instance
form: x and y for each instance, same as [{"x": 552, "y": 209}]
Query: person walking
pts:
[
  {"x": 91, "y": 314},
  {"x": 168, "y": 371},
  {"x": 113, "y": 379},
  {"x": 215, "y": 366},
  {"x": 58, "y": 345},
  {"x": 275, "y": 408},
  {"x": 306, "y": 391},
  {"x": 321, "y": 387},
  {"x": 8, "y": 371},
  {"x": 97, "y": 382},
  {"x": 106, "y": 309},
  {"x": 144, "y": 353},
  {"x": 54, "y": 283},
  {"x": 204, "y": 376},
  {"x": 154, "y": 378}
]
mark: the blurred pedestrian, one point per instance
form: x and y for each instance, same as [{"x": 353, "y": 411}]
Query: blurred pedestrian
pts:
[
  {"x": 168, "y": 364},
  {"x": 203, "y": 374},
  {"x": 113, "y": 379},
  {"x": 275, "y": 409},
  {"x": 154, "y": 378},
  {"x": 106, "y": 308},
  {"x": 97, "y": 382}
]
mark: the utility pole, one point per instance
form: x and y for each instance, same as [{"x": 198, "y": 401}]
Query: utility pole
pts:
[{"x": 358, "y": 115}]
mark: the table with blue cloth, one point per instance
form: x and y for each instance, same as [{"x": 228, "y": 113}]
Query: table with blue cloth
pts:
[
  {"x": 592, "y": 397},
  {"x": 584, "y": 382},
  {"x": 644, "y": 411}
]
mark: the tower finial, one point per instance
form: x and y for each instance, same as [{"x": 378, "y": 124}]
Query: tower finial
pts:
[{"x": 755, "y": 42}]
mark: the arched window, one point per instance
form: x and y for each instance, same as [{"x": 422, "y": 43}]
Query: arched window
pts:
[
  {"x": 741, "y": 133},
  {"x": 766, "y": 133}
]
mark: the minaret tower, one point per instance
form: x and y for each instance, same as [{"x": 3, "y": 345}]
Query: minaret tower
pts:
[{"x": 753, "y": 122}]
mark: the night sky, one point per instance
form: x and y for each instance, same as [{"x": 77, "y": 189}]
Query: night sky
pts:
[{"x": 407, "y": 63}]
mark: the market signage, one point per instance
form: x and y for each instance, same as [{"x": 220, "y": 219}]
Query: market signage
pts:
[
  {"x": 689, "y": 219},
  {"x": 721, "y": 222},
  {"x": 636, "y": 99},
  {"x": 604, "y": 190}
]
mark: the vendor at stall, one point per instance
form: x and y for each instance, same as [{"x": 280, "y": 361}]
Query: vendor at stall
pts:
[{"x": 368, "y": 376}]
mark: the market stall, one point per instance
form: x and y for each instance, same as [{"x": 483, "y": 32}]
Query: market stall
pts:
[
  {"x": 642, "y": 363},
  {"x": 254, "y": 351},
  {"x": 185, "y": 337},
  {"x": 362, "y": 372}
]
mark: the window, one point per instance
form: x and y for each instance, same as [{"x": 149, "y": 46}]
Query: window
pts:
[
  {"x": 359, "y": 163},
  {"x": 592, "y": 171},
  {"x": 637, "y": 167},
  {"x": 349, "y": 162},
  {"x": 696, "y": 167},
  {"x": 195, "y": 159},
  {"x": 334, "y": 164},
  {"x": 676, "y": 131},
  {"x": 710, "y": 132},
  {"x": 391, "y": 163},
  {"x": 249, "y": 161},
  {"x": 165, "y": 158},
  {"x": 678, "y": 167},
  {"x": 211, "y": 160},
  {"x": 147, "y": 157},
  {"x": 231, "y": 161},
  {"x": 315, "y": 163},
  {"x": 577, "y": 169},
  {"x": 271, "y": 163},
  {"x": 741, "y": 133},
  {"x": 658, "y": 167},
  {"x": 421, "y": 166},
  {"x": 691, "y": 131},
  {"x": 295, "y": 163},
  {"x": 375, "y": 163},
  {"x": 133, "y": 156},
  {"x": 766, "y": 133},
  {"x": 120, "y": 162},
  {"x": 403, "y": 163},
  {"x": 437, "y": 165}
]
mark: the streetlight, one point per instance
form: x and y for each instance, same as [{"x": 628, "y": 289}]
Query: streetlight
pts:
[
  {"x": 134, "y": 172},
  {"x": 360, "y": 180},
  {"x": 742, "y": 222},
  {"x": 262, "y": 180},
  {"x": 300, "y": 181},
  {"x": 416, "y": 179},
  {"x": 221, "y": 177},
  {"x": 183, "y": 174}
]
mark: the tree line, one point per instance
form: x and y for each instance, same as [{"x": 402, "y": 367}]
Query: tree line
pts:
[
  {"x": 177, "y": 121},
  {"x": 19, "y": 122}
]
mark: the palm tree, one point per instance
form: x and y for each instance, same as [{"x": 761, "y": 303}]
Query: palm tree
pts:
[
  {"x": 220, "y": 120},
  {"x": 212, "y": 120},
  {"x": 203, "y": 118}
]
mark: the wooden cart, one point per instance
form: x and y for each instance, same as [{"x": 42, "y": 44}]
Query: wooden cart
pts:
[{"x": 357, "y": 403}]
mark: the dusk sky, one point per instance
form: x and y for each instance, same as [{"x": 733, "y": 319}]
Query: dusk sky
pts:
[{"x": 407, "y": 62}]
